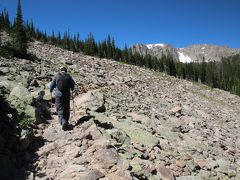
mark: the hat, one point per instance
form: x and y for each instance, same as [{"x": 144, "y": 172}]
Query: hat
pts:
[{"x": 63, "y": 68}]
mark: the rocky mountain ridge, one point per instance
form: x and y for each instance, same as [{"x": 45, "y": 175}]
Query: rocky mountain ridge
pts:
[
  {"x": 130, "y": 122},
  {"x": 194, "y": 53}
]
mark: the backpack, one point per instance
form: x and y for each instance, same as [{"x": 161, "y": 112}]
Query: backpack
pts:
[{"x": 63, "y": 82}]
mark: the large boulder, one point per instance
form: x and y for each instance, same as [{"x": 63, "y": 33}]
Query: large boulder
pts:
[
  {"x": 9, "y": 85},
  {"x": 21, "y": 99},
  {"x": 4, "y": 70},
  {"x": 137, "y": 132}
]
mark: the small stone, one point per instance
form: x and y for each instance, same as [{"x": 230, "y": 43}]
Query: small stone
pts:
[
  {"x": 176, "y": 110},
  {"x": 164, "y": 173},
  {"x": 180, "y": 163},
  {"x": 68, "y": 62},
  {"x": 237, "y": 143},
  {"x": 30, "y": 176},
  {"x": 202, "y": 163}
]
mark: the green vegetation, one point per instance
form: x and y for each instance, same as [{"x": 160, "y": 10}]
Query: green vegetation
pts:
[
  {"x": 8, "y": 115},
  {"x": 5, "y": 52},
  {"x": 26, "y": 122},
  {"x": 18, "y": 34}
]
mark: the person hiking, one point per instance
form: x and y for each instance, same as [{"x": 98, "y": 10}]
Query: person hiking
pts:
[{"x": 63, "y": 83}]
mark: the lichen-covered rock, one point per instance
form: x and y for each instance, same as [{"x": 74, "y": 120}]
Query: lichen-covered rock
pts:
[
  {"x": 20, "y": 97},
  {"x": 120, "y": 136},
  {"x": 136, "y": 132}
]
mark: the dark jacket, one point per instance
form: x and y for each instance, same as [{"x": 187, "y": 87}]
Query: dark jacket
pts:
[{"x": 53, "y": 85}]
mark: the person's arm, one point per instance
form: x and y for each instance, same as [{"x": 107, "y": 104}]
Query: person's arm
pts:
[
  {"x": 53, "y": 84},
  {"x": 72, "y": 84}
]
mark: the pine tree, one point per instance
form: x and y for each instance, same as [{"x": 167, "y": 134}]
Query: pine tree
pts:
[
  {"x": 19, "y": 35},
  {"x": 53, "y": 39},
  {"x": 104, "y": 48},
  {"x": 100, "y": 54},
  {"x": 109, "y": 47},
  {"x": 161, "y": 65},
  {"x": 59, "y": 39},
  {"x": 195, "y": 72},
  {"x": 118, "y": 54},
  {"x": 6, "y": 21},
  {"x": 90, "y": 47},
  {"x": 203, "y": 71},
  {"x": 113, "y": 49},
  {"x": 29, "y": 30},
  {"x": 172, "y": 67}
]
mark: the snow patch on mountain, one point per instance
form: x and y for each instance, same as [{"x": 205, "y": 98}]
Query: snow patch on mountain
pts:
[
  {"x": 183, "y": 58},
  {"x": 193, "y": 53},
  {"x": 150, "y": 46}
]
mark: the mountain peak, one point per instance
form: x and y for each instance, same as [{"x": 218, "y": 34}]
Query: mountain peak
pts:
[
  {"x": 193, "y": 53},
  {"x": 150, "y": 46}
]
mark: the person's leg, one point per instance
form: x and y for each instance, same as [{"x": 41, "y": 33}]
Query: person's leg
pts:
[
  {"x": 60, "y": 110},
  {"x": 67, "y": 108}
]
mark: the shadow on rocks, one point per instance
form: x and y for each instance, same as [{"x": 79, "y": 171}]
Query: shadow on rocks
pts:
[
  {"x": 83, "y": 119},
  {"x": 18, "y": 143},
  {"x": 31, "y": 156}
]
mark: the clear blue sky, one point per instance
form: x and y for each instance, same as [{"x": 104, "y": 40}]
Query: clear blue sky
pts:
[{"x": 177, "y": 22}]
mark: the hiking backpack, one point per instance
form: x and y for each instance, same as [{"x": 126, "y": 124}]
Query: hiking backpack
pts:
[{"x": 63, "y": 82}]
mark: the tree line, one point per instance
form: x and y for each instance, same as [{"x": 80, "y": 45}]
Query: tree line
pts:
[
  {"x": 224, "y": 74},
  {"x": 18, "y": 44}
]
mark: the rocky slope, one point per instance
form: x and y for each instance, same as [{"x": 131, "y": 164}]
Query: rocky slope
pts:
[
  {"x": 194, "y": 53},
  {"x": 130, "y": 122}
]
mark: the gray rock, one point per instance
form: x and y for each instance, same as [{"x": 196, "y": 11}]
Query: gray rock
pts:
[
  {"x": 20, "y": 97},
  {"x": 93, "y": 175},
  {"x": 34, "y": 83},
  {"x": 164, "y": 173},
  {"x": 107, "y": 157},
  {"x": 4, "y": 70},
  {"x": 120, "y": 136},
  {"x": 176, "y": 110},
  {"x": 189, "y": 178},
  {"x": 74, "y": 169},
  {"x": 9, "y": 85},
  {"x": 68, "y": 62}
]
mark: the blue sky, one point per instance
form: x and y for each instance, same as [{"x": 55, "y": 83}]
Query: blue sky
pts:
[{"x": 177, "y": 22}]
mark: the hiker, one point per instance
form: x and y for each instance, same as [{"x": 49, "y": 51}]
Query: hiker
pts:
[{"x": 63, "y": 83}]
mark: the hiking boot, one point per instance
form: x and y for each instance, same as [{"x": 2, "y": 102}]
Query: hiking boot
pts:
[{"x": 64, "y": 126}]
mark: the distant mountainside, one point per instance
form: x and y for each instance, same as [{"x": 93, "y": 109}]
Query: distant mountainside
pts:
[{"x": 193, "y": 53}]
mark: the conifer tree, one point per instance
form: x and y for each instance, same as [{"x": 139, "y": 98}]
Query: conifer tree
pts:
[
  {"x": 19, "y": 35},
  {"x": 195, "y": 73},
  {"x": 53, "y": 39},
  {"x": 59, "y": 39},
  {"x": 118, "y": 54},
  {"x": 90, "y": 47},
  {"x": 6, "y": 21},
  {"x": 125, "y": 54},
  {"x": 109, "y": 47},
  {"x": 104, "y": 48},
  {"x": 113, "y": 49},
  {"x": 203, "y": 71}
]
